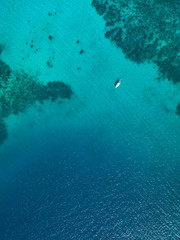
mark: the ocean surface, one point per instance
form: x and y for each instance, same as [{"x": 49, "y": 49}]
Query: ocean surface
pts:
[{"x": 80, "y": 159}]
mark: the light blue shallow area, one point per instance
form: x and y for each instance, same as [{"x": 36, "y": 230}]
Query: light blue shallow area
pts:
[{"x": 102, "y": 165}]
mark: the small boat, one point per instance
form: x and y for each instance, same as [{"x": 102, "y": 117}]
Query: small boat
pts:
[{"x": 118, "y": 83}]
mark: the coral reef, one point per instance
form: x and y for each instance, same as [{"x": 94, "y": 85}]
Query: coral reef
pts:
[
  {"x": 4, "y": 72},
  {"x": 18, "y": 91},
  {"x": 145, "y": 31}
]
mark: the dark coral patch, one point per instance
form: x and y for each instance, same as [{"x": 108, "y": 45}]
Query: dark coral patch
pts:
[
  {"x": 4, "y": 71},
  {"x": 112, "y": 14},
  {"x": 59, "y": 89},
  {"x": 54, "y": 90},
  {"x": 100, "y": 7},
  {"x": 108, "y": 34},
  {"x": 50, "y": 37},
  {"x": 49, "y": 64}
]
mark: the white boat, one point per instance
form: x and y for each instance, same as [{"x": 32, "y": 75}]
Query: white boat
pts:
[{"x": 118, "y": 83}]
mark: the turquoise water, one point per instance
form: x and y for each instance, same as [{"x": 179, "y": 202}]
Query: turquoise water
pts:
[{"x": 80, "y": 159}]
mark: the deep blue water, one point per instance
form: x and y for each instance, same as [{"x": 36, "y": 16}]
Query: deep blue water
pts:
[{"x": 70, "y": 190}]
